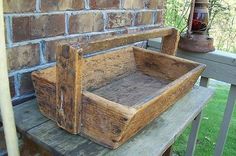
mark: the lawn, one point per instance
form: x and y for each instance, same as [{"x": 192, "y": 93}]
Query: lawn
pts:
[{"x": 210, "y": 125}]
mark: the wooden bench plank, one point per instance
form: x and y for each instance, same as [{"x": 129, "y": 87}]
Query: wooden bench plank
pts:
[
  {"x": 27, "y": 116},
  {"x": 152, "y": 140},
  {"x": 62, "y": 142}
]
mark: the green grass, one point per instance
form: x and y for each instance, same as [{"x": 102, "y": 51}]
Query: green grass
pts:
[{"x": 210, "y": 126}]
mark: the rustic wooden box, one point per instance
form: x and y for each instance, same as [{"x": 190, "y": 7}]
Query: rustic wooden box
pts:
[{"x": 108, "y": 97}]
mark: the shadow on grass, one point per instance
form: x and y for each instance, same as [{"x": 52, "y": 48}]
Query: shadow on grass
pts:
[{"x": 210, "y": 126}]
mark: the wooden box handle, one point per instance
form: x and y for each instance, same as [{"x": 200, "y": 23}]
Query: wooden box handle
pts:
[{"x": 69, "y": 70}]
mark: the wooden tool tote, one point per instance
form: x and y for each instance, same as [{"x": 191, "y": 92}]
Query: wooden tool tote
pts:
[{"x": 109, "y": 96}]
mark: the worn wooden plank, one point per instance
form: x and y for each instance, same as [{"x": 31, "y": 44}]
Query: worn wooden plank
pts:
[
  {"x": 27, "y": 116},
  {"x": 217, "y": 55},
  {"x": 161, "y": 65},
  {"x": 124, "y": 40},
  {"x": 216, "y": 70},
  {"x": 220, "y": 65},
  {"x": 104, "y": 121},
  {"x": 152, "y": 140},
  {"x": 131, "y": 90},
  {"x": 163, "y": 131},
  {"x": 102, "y": 69},
  {"x": 170, "y": 43},
  {"x": 59, "y": 142},
  {"x": 68, "y": 88},
  {"x": 45, "y": 90}
]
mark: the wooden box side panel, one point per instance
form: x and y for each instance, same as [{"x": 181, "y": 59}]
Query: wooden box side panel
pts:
[
  {"x": 101, "y": 69},
  {"x": 158, "y": 105},
  {"x": 104, "y": 121},
  {"x": 46, "y": 96},
  {"x": 161, "y": 65}
]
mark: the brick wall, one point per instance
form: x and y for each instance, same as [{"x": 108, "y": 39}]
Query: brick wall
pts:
[{"x": 34, "y": 27}]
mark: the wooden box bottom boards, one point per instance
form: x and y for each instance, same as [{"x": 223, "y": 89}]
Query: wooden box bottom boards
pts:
[{"x": 118, "y": 92}]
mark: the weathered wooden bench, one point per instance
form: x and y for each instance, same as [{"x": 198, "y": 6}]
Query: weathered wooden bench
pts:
[{"x": 43, "y": 136}]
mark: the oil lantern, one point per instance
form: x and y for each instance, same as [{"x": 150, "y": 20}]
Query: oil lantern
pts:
[{"x": 196, "y": 39}]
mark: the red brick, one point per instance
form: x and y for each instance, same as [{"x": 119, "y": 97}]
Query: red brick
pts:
[
  {"x": 104, "y": 4},
  {"x": 134, "y": 4},
  {"x": 160, "y": 18},
  {"x": 23, "y": 57},
  {"x": 19, "y": 6},
  {"x": 86, "y": 22},
  {"x": 12, "y": 86},
  {"x": 34, "y": 27},
  {"x": 141, "y": 4},
  {"x": 51, "y": 46},
  {"x": 144, "y": 18},
  {"x": 119, "y": 19},
  {"x": 155, "y": 4},
  {"x": 26, "y": 85},
  {"x": 56, "y": 5}
]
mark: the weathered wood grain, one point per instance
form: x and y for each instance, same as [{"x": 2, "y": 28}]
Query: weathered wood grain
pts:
[
  {"x": 220, "y": 65},
  {"x": 100, "y": 70},
  {"x": 45, "y": 89},
  {"x": 104, "y": 121},
  {"x": 162, "y": 66},
  {"x": 152, "y": 140},
  {"x": 27, "y": 115},
  {"x": 132, "y": 90},
  {"x": 68, "y": 88},
  {"x": 104, "y": 44},
  {"x": 130, "y": 86},
  {"x": 170, "y": 43}
]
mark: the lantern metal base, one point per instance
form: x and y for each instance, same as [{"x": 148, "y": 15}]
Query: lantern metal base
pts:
[{"x": 196, "y": 43}]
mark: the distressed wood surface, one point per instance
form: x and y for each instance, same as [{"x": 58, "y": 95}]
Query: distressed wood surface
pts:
[
  {"x": 68, "y": 88},
  {"x": 162, "y": 66},
  {"x": 28, "y": 116},
  {"x": 45, "y": 90},
  {"x": 143, "y": 81},
  {"x": 220, "y": 65},
  {"x": 104, "y": 44},
  {"x": 131, "y": 90},
  {"x": 170, "y": 43},
  {"x": 152, "y": 140},
  {"x": 101, "y": 69}
]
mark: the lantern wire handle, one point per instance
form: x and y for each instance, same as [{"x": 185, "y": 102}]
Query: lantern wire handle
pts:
[{"x": 190, "y": 20}]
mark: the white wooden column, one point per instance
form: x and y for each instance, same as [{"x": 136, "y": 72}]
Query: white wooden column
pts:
[{"x": 5, "y": 98}]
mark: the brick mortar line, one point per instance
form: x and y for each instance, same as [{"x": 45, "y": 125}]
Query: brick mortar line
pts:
[
  {"x": 77, "y": 11},
  {"x": 27, "y": 70},
  {"x": 105, "y": 20},
  {"x": 86, "y": 4},
  {"x": 21, "y": 97},
  {"x": 37, "y": 6},
  {"x": 71, "y": 36},
  {"x": 42, "y": 47},
  {"x": 16, "y": 85},
  {"x": 9, "y": 34},
  {"x": 67, "y": 16}
]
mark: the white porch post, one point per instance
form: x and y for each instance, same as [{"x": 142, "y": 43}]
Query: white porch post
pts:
[{"x": 5, "y": 98}]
